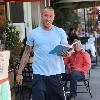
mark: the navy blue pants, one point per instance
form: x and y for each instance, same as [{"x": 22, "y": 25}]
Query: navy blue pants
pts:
[
  {"x": 47, "y": 87},
  {"x": 73, "y": 78}
]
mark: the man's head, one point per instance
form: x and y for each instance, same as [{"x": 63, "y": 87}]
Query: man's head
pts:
[
  {"x": 47, "y": 17},
  {"x": 77, "y": 46}
]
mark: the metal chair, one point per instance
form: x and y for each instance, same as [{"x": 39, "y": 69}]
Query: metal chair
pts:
[
  {"x": 94, "y": 60},
  {"x": 27, "y": 81},
  {"x": 84, "y": 83},
  {"x": 24, "y": 91}
]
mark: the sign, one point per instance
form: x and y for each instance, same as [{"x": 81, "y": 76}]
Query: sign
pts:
[
  {"x": 4, "y": 64},
  {"x": 23, "y": 0}
]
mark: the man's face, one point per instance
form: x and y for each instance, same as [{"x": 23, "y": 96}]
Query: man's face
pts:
[
  {"x": 47, "y": 18},
  {"x": 77, "y": 47}
]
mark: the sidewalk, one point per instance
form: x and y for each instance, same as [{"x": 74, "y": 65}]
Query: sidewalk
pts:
[{"x": 94, "y": 84}]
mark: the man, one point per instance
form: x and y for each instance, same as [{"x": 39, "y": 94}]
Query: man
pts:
[
  {"x": 47, "y": 68},
  {"x": 80, "y": 64}
]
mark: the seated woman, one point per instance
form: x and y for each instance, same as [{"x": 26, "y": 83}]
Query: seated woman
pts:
[
  {"x": 80, "y": 63},
  {"x": 72, "y": 36}
]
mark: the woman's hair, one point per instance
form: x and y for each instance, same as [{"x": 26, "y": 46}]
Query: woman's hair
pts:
[{"x": 71, "y": 29}]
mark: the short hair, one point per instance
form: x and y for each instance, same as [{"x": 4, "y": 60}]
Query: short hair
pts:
[{"x": 47, "y": 7}]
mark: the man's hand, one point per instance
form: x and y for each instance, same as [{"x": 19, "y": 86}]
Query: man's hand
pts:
[
  {"x": 65, "y": 54},
  {"x": 19, "y": 79},
  {"x": 75, "y": 69}
]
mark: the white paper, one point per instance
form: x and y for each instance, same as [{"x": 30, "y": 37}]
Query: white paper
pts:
[{"x": 4, "y": 64}]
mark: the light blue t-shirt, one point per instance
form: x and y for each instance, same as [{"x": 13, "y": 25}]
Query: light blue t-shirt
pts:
[{"x": 43, "y": 42}]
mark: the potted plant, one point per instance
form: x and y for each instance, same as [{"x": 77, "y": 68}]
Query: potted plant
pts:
[{"x": 10, "y": 39}]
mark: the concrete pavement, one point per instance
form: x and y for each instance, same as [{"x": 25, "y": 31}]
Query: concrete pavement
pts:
[{"x": 94, "y": 83}]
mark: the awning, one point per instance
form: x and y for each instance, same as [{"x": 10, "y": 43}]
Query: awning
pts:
[
  {"x": 77, "y": 3},
  {"x": 65, "y": 1}
]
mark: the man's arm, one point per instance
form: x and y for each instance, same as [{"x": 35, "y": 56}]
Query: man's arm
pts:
[
  {"x": 23, "y": 62},
  {"x": 87, "y": 63},
  {"x": 66, "y": 43},
  {"x": 24, "y": 59}
]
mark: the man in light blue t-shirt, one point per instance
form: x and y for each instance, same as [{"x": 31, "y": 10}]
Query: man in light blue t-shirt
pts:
[{"x": 47, "y": 68}]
